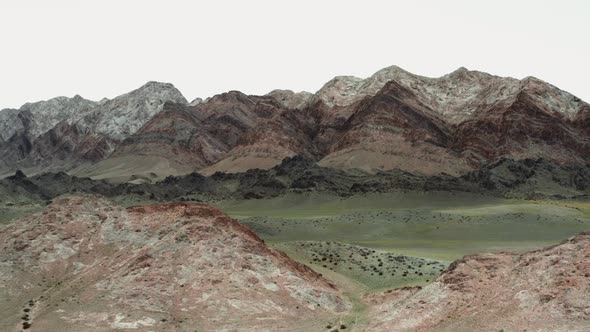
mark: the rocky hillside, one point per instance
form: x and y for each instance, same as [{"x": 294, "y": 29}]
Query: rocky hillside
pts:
[
  {"x": 543, "y": 290},
  {"x": 85, "y": 263},
  {"x": 61, "y": 133},
  {"x": 391, "y": 120},
  {"x": 452, "y": 125}
]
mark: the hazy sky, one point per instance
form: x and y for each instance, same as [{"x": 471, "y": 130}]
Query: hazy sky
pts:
[{"x": 106, "y": 48}]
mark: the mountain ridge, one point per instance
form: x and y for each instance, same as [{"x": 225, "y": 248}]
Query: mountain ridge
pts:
[{"x": 393, "y": 119}]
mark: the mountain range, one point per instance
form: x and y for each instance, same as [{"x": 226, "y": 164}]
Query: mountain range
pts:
[{"x": 451, "y": 125}]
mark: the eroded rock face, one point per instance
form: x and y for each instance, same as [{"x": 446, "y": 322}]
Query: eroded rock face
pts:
[
  {"x": 394, "y": 119},
  {"x": 86, "y": 264},
  {"x": 543, "y": 290},
  {"x": 392, "y": 130},
  {"x": 231, "y": 132},
  {"x": 124, "y": 115},
  {"x": 466, "y": 119},
  {"x": 61, "y": 133},
  {"x": 38, "y": 118},
  {"x": 290, "y": 99},
  {"x": 455, "y": 96}
]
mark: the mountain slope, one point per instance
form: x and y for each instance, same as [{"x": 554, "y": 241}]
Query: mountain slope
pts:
[
  {"x": 229, "y": 132},
  {"x": 542, "y": 290},
  {"x": 124, "y": 115},
  {"x": 523, "y": 128},
  {"x": 37, "y": 118},
  {"x": 62, "y": 133},
  {"x": 85, "y": 263},
  {"x": 392, "y": 129},
  {"x": 394, "y": 119}
]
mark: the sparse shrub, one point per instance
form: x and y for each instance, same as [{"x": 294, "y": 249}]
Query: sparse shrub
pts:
[{"x": 182, "y": 238}]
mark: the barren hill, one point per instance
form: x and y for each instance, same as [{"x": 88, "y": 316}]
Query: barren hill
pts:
[
  {"x": 86, "y": 264},
  {"x": 542, "y": 290}
]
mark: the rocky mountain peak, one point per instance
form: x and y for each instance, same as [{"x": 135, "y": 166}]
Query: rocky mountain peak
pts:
[
  {"x": 340, "y": 91},
  {"x": 552, "y": 99},
  {"x": 124, "y": 115},
  {"x": 290, "y": 99},
  {"x": 341, "y": 121},
  {"x": 455, "y": 96},
  {"x": 154, "y": 87},
  {"x": 346, "y": 90},
  {"x": 196, "y": 101},
  {"x": 231, "y": 96},
  {"x": 460, "y": 72},
  {"x": 42, "y": 115},
  {"x": 391, "y": 73}
]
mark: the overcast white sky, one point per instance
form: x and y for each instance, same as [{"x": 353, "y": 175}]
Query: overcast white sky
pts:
[{"x": 109, "y": 47}]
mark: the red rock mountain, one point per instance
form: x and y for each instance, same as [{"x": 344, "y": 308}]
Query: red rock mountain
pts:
[
  {"x": 393, "y": 119},
  {"x": 86, "y": 264}
]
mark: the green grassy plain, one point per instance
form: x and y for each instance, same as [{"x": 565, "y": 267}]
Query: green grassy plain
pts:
[{"x": 433, "y": 226}]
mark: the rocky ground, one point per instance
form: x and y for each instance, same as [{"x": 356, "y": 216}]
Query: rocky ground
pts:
[
  {"x": 542, "y": 290},
  {"x": 87, "y": 264},
  {"x": 61, "y": 133}
]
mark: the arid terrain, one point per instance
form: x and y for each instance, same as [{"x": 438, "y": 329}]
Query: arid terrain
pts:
[
  {"x": 541, "y": 290},
  {"x": 395, "y": 202},
  {"x": 84, "y": 262},
  {"x": 87, "y": 264},
  {"x": 392, "y": 120}
]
